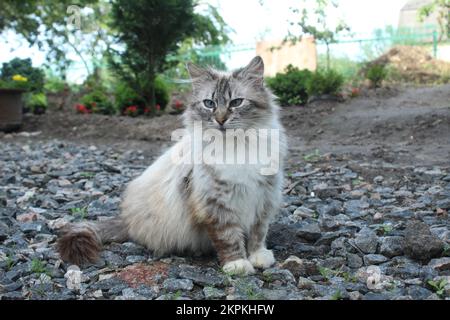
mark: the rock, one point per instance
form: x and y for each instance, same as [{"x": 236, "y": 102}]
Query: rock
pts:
[
  {"x": 213, "y": 293},
  {"x": 276, "y": 274},
  {"x": 354, "y": 261},
  {"x": 305, "y": 283},
  {"x": 442, "y": 264},
  {"x": 374, "y": 259},
  {"x": 366, "y": 240},
  {"x": 392, "y": 246},
  {"x": 202, "y": 276},
  {"x": 303, "y": 212},
  {"x": 420, "y": 243},
  {"x": 418, "y": 293},
  {"x": 299, "y": 267},
  {"x": 308, "y": 231},
  {"x": 73, "y": 276},
  {"x": 400, "y": 214},
  {"x": 173, "y": 285}
]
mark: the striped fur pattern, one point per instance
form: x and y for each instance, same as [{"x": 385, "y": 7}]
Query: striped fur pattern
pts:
[{"x": 201, "y": 208}]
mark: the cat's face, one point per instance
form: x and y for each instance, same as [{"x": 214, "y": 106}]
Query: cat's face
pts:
[{"x": 236, "y": 100}]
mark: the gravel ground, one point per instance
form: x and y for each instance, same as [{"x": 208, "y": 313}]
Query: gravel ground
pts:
[{"x": 347, "y": 230}]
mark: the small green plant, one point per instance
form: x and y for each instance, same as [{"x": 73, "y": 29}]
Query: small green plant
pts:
[
  {"x": 36, "y": 102},
  {"x": 386, "y": 228},
  {"x": 337, "y": 295},
  {"x": 87, "y": 174},
  {"x": 438, "y": 286},
  {"x": 177, "y": 295},
  {"x": 357, "y": 182},
  {"x": 54, "y": 84},
  {"x": 37, "y": 266},
  {"x": 9, "y": 262},
  {"x": 97, "y": 102},
  {"x": 290, "y": 86},
  {"x": 327, "y": 82},
  {"x": 312, "y": 157},
  {"x": 80, "y": 212},
  {"x": 325, "y": 272},
  {"x": 376, "y": 73}
]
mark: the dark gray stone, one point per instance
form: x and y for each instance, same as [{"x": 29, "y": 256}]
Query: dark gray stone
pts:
[
  {"x": 420, "y": 243},
  {"x": 392, "y": 246},
  {"x": 366, "y": 240}
]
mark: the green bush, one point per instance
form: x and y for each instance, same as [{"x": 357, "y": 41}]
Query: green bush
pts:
[
  {"x": 162, "y": 92},
  {"x": 97, "y": 102},
  {"x": 328, "y": 82},
  {"x": 54, "y": 84},
  {"x": 290, "y": 87},
  {"x": 126, "y": 97},
  {"x": 376, "y": 74},
  {"x": 36, "y": 102},
  {"x": 23, "y": 67}
]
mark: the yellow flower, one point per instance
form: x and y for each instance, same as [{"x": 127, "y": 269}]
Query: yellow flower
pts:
[{"x": 19, "y": 78}]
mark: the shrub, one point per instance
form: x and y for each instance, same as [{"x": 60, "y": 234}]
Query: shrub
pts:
[
  {"x": 36, "y": 102},
  {"x": 290, "y": 87},
  {"x": 376, "y": 74},
  {"x": 162, "y": 92},
  {"x": 97, "y": 102},
  {"x": 54, "y": 84},
  {"x": 327, "y": 82},
  {"x": 127, "y": 97},
  {"x": 24, "y": 68}
]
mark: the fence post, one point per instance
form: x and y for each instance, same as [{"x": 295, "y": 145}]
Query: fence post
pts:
[{"x": 435, "y": 43}]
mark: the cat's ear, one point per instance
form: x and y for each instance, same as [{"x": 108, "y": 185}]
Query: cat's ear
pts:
[
  {"x": 198, "y": 73},
  {"x": 253, "y": 71}
]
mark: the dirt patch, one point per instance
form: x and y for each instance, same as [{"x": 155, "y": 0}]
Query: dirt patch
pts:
[
  {"x": 146, "y": 274},
  {"x": 413, "y": 64},
  {"x": 401, "y": 126}
]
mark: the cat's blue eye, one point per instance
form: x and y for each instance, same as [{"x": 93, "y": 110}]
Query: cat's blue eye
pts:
[
  {"x": 209, "y": 104},
  {"x": 235, "y": 103}
]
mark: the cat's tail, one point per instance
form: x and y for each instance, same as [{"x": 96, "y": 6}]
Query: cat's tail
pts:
[{"x": 81, "y": 243}]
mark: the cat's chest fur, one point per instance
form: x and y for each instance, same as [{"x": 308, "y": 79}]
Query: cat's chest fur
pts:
[{"x": 237, "y": 186}]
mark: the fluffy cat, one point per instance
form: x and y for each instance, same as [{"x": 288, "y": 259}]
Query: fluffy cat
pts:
[{"x": 197, "y": 207}]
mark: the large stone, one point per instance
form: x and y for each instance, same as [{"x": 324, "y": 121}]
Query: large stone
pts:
[
  {"x": 392, "y": 246},
  {"x": 367, "y": 241},
  {"x": 442, "y": 264},
  {"x": 308, "y": 231},
  {"x": 420, "y": 243}
]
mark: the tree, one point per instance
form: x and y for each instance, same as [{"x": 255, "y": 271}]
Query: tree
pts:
[
  {"x": 149, "y": 30},
  {"x": 47, "y": 24},
  {"x": 316, "y": 25},
  {"x": 442, "y": 7}
]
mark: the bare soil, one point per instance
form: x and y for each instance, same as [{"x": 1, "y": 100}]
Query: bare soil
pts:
[{"x": 402, "y": 126}]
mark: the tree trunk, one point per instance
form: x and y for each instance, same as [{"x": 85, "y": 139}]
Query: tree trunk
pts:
[{"x": 328, "y": 56}]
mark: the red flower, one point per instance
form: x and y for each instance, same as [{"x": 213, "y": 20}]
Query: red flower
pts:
[
  {"x": 146, "y": 110},
  {"x": 131, "y": 111},
  {"x": 82, "y": 108},
  {"x": 178, "y": 104},
  {"x": 158, "y": 107},
  {"x": 355, "y": 92}
]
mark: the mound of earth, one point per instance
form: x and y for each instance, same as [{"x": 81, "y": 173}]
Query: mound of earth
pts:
[{"x": 413, "y": 64}]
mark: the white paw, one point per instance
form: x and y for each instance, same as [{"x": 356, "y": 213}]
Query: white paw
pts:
[
  {"x": 263, "y": 258},
  {"x": 239, "y": 267}
]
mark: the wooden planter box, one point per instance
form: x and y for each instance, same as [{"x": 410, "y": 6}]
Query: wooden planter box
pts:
[{"x": 11, "y": 109}]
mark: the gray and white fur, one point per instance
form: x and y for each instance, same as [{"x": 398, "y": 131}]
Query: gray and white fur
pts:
[{"x": 199, "y": 208}]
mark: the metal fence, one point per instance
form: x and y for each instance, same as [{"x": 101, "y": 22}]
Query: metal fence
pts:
[{"x": 346, "y": 54}]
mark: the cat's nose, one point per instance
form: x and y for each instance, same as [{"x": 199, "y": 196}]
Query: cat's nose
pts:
[{"x": 221, "y": 120}]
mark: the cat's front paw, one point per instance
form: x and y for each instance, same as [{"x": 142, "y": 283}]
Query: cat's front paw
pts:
[
  {"x": 239, "y": 267},
  {"x": 263, "y": 258}
]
